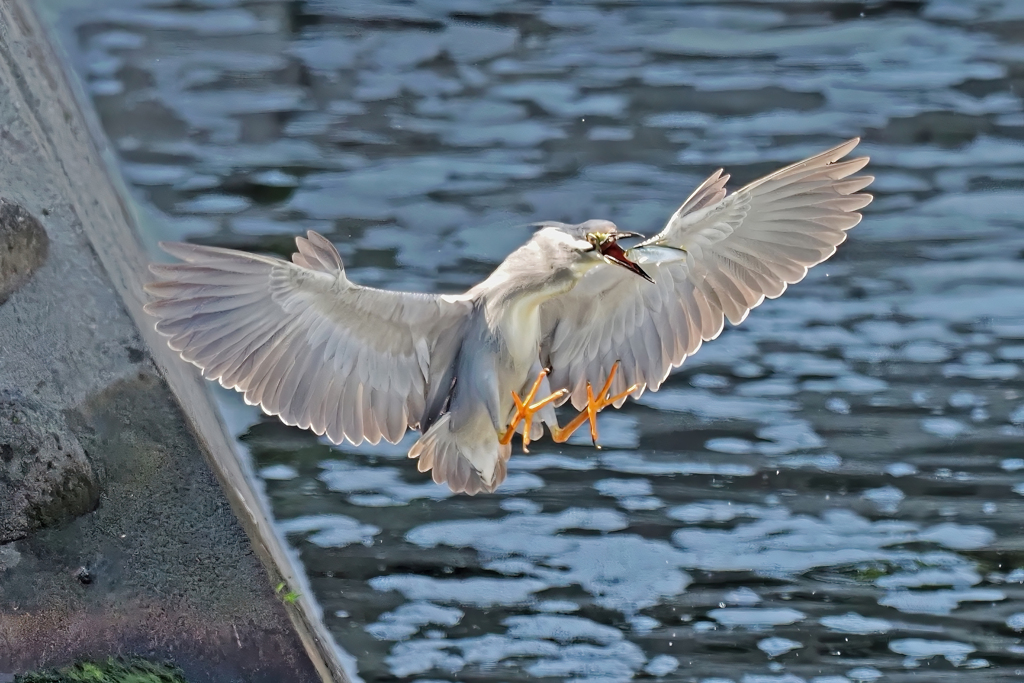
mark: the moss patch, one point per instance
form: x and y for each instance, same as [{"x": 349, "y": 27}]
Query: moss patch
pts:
[{"x": 111, "y": 671}]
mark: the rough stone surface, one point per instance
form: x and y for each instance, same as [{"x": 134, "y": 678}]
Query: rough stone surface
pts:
[
  {"x": 162, "y": 567},
  {"x": 24, "y": 246},
  {"x": 45, "y": 476}
]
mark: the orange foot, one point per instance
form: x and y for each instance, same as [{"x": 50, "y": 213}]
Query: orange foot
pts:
[
  {"x": 525, "y": 410},
  {"x": 594, "y": 406}
]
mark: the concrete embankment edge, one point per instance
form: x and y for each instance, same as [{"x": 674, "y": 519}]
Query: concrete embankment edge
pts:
[{"x": 161, "y": 545}]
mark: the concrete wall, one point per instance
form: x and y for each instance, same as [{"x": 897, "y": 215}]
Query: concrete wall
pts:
[{"x": 117, "y": 535}]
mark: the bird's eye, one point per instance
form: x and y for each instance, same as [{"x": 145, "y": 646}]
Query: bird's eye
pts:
[{"x": 599, "y": 240}]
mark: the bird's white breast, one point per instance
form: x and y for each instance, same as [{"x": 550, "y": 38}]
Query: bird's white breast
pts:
[{"x": 520, "y": 329}]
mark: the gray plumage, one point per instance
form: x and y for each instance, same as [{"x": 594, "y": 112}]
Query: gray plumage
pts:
[{"x": 350, "y": 362}]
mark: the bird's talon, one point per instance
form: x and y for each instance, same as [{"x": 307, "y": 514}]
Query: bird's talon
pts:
[
  {"x": 525, "y": 410},
  {"x": 595, "y": 404}
]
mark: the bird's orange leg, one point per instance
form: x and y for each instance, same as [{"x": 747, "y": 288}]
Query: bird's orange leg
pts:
[
  {"x": 594, "y": 406},
  {"x": 525, "y": 410}
]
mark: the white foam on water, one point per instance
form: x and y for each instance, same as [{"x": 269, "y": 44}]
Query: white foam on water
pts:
[
  {"x": 887, "y": 498},
  {"x": 661, "y": 665},
  {"x": 864, "y": 674},
  {"x": 776, "y": 646},
  {"x": 332, "y": 531},
  {"x": 851, "y": 622},
  {"x": 937, "y": 602},
  {"x": 756, "y": 617},
  {"x": 278, "y": 473},
  {"x": 917, "y": 648}
]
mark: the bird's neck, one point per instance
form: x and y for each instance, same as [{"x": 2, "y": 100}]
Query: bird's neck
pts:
[
  {"x": 505, "y": 296},
  {"x": 511, "y": 298}
]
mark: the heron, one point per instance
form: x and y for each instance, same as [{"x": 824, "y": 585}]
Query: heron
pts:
[{"x": 570, "y": 316}]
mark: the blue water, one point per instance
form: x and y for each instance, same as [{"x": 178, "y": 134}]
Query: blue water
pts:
[{"x": 832, "y": 492}]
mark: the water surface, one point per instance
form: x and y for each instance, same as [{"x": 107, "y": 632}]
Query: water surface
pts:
[{"x": 832, "y": 492}]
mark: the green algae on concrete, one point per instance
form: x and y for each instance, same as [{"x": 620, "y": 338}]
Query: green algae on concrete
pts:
[{"x": 110, "y": 671}]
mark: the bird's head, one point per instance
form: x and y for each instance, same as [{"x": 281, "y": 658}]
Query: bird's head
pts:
[{"x": 588, "y": 244}]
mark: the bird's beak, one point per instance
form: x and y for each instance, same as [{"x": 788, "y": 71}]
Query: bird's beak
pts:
[{"x": 613, "y": 253}]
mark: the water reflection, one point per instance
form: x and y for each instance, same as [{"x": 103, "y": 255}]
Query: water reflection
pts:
[{"x": 829, "y": 493}]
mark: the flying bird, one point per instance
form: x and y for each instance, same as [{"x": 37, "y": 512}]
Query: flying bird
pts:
[{"x": 570, "y": 316}]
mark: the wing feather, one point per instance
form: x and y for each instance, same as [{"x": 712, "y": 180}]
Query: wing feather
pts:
[
  {"x": 301, "y": 340},
  {"x": 734, "y": 251}
]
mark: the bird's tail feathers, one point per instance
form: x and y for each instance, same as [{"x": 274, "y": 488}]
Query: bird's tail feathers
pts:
[{"x": 458, "y": 464}]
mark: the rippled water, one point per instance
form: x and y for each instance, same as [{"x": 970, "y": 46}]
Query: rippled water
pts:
[{"x": 831, "y": 492}]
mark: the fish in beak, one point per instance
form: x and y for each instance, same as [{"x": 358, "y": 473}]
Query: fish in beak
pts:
[{"x": 613, "y": 253}]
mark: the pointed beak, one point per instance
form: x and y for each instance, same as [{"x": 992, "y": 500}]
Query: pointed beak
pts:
[{"x": 613, "y": 253}]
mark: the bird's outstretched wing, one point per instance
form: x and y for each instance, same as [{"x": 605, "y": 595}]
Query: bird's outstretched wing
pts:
[
  {"x": 299, "y": 339},
  {"x": 718, "y": 257}
]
